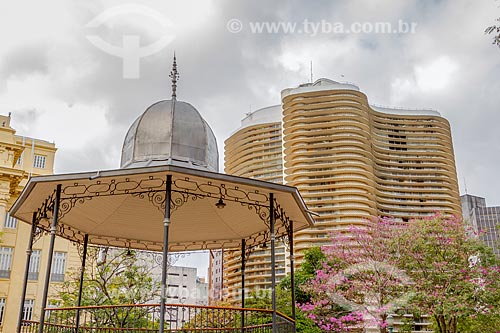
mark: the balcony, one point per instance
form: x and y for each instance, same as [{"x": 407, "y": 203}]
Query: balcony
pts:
[{"x": 146, "y": 318}]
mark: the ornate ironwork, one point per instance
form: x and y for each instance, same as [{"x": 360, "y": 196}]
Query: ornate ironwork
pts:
[
  {"x": 39, "y": 232},
  {"x": 69, "y": 203},
  {"x": 157, "y": 198},
  {"x": 152, "y": 188},
  {"x": 174, "y": 75},
  {"x": 261, "y": 211},
  {"x": 181, "y": 318}
]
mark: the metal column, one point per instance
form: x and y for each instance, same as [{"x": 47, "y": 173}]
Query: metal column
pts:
[
  {"x": 53, "y": 229},
  {"x": 29, "y": 251},
  {"x": 292, "y": 268},
  {"x": 80, "y": 289},
  {"x": 166, "y": 223},
  {"x": 243, "y": 245},
  {"x": 273, "y": 257}
]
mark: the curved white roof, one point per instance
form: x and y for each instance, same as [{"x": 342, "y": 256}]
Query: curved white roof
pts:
[
  {"x": 269, "y": 114},
  {"x": 327, "y": 84},
  {"x": 404, "y": 111},
  {"x": 319, "y": 85}
]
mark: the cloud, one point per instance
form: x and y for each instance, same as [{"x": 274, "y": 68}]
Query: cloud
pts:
[
  {"x": 436, "y": 75},
  {"x": 60, "y": 87}
]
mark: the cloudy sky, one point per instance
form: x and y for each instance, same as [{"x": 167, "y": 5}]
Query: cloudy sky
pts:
[{"x": 67, "y": 67}]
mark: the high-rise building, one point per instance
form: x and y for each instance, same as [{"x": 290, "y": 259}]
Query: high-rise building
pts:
[
  {"x": 484, "y": 220},
  {"x": 349, "y": 159},
  {"x": 215, "y": 277},
  {"x": 21, "y": 157},
  {"x": 255, "y": 151}
]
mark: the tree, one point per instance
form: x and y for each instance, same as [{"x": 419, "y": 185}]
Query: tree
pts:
[
  {"x": 262, "y": 300},
  {"x": 214, "y": 318},
  {"x": 358, "y": 280},
  {"x": 484, "y": 323},
  {"x": 456, "y": 278},
  {"x": 427, "y": 266},
  {"x": 313, "y": 261},
  {"x": 495, "y": 30},
  {"x": 114, "y": 277}
]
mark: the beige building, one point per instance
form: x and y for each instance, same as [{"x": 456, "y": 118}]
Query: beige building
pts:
[
  {"x": 349, "y": 159},
  {"x": 256, "y": 150},
  {"x": 21, "y": 157}
]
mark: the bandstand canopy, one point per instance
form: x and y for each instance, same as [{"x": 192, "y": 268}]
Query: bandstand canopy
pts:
[{"x": 125, "y": 208}]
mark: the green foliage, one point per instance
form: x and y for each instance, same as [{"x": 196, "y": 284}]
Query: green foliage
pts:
[
  {"x": 455, "y": 277},
  {"x": 313, "y": 261},
  {"x": 114, "y": 277},
  {"x": 431, "y": 267},
  {"x": 495, "y": 30},
  {"x": 480, "y": 323},
  {"x": 262, "y": 300},
  {"x": 214, "y": 319}
]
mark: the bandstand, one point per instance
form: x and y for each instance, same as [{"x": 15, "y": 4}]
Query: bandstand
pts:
[{"x": 166, "y": 197}]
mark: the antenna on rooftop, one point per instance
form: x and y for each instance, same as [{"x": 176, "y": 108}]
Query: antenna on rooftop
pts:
[
  {"x": 311, "y": 71},
  {"x": 465, "y": 185}
]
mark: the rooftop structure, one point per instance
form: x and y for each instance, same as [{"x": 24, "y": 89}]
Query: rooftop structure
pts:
[{"x": 350, "y": 160}]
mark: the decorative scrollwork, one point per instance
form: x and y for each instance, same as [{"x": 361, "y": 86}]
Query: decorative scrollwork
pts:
[
  {"x": 179, "y": 198},
  {"x": 262, "y": 212},
  {"x": 38, "y": 234},
  {"x": 281, "y": 215},
  {"x": 157, "y": 198},
  {"x": 153, "y": 189},
  {"x": 67, "y": 204}
]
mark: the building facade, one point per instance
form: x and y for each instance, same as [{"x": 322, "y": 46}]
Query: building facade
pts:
[
  {"x": 20, "y": 158},
  {"x": 185, "y": 287},
  {"x": 215, "y": 277},
  {"x": 483, "y": 219},
  {"x": 349, "y": 159},
  {"x": 255, "y": 151}
]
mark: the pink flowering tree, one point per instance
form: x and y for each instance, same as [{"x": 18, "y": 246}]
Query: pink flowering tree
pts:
[
  {"x": 456, "y": 278},
  {"x": 359, "y": 283}
]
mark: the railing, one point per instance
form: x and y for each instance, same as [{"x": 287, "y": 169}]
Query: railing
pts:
[{"x": 145, "y": 318}]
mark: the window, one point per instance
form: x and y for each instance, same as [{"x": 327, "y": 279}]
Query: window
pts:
[
  {"x": 28, "y": 309},
  {"x": 39, "y": 161},
  {"x": 52, "y": 304},
  {"x": 10, "y": 222},
  {"x": 58, "y": 267},
  {"x": 34, "y": 265},
  {"x": 20, "y": 159},
  {"x": 2, "y": 309},
  {"x": 5, "y": 261}
]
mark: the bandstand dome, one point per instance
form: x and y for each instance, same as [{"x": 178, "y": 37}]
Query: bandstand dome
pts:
[
  {"x": 170, "y": 132},
  {"x": 166, "y": 196}
]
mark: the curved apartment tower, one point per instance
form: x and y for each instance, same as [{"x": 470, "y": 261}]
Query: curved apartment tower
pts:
[
  {"x": 349, "y": 159},
  {"x": 255, "y": 151},
  {"x": 328, "y": 157},
  {"x": 352, "y": 160}
]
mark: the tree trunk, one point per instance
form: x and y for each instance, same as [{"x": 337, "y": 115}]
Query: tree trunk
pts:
[{"x": 446, "y": 324}]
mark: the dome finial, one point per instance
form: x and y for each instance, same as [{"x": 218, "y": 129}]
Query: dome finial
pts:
[{"x": 174, "y": 75}]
